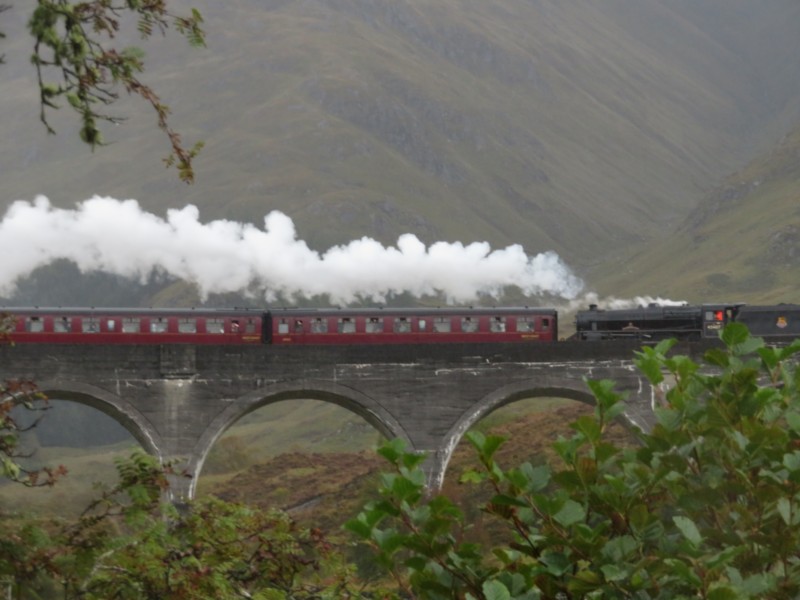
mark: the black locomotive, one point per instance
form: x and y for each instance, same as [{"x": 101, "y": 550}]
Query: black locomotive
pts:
[{"x": 686, "y": 322}]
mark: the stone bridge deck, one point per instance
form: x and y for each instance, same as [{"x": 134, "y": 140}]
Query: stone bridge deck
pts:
[{"x": 178, "y": 400}]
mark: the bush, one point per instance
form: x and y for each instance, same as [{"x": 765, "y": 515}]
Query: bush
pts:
[{"x": 707, "y": 505}]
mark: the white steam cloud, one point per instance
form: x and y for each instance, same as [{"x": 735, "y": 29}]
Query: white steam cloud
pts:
[
  {"x": 118, "y": 237},
  {"x": 613, "y": 303}
]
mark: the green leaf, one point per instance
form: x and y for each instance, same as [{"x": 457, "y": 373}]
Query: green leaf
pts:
[
  {"x": 571, "y": 513},
  {"x": 717, "y": 356},
  {"x": 723, "y": 592},
  {"x": 682, "y": 366},
  {"x": 734, "y": 334},
  {"x": 388, "y": 540},
  {"x": 665, "y": 346},
  {"x": 791, "y": 461},
  {"x": 650, "y": 363},
  {"x": 471, "y": 476},
  {"x": 614, "y": 572},
  {"x": 724, "y": 557},
  {"x": 689, "y": 530},
  {"x": 668, "y": 418},
  {"x": 588, "y": 426},
  {"x": 793, "y": 420},
  {"x": 789, "y": 350},
  {"x": 358, "y": 527},
  {"x": 486, "y": 445},
  {"x": 494, "y": 590},
  {"x": 557, "y": 563},
  {"x": 756, "y": 585},
  {"x": 584, "y": 583},
  {"x": 528, "y": 478},
  {"x": 683, "y": 571},
  {"x": 785, "y": 510},
  {"x": 393, "y": 450},
  {"x": 604, "y": 394},
  {"x": 620, "y": 549}
]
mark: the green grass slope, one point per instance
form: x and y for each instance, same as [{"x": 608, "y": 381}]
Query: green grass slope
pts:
[
  {"x": 583, "y": 126},
  {"x": 741, "y": 243}
]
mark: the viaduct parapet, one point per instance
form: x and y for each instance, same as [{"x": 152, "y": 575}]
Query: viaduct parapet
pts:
[{"x": 178, "y": 400}]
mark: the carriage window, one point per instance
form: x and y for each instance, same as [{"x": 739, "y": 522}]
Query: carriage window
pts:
[
  {"x": 526, "y": 324},
  {"x": 374, "y": 325},
  {"x": 441, "y": 324},
  {"x": 62, "y": 325},
  {"x": 187, "y": 325},
  {"x": 469, "y": 325},
  {"x": 250, "y": 326},
  {"x": 347, "y": 325},
  {"x": 90, "y": 325},
  {"x": 158, "y": 325},
  {"x": 319, "y": 325},
  {"x": 498, "y": 325},
  {"x": 402, "y": 325},
  {"x": 545, "y": 324},
  {"x": 283, "y": 327},
  {"x": 298, "y": 326},
  {"x": 130, "y": 325},
  {"x": 34, "y": 324},
  {"x": 234, "y": 325},
  {"x": 215, "y": 325},
  {"x": 111, "y": 325},
  {"x": 422, "y": 324}
]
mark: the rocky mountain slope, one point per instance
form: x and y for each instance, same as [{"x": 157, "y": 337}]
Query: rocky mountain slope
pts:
[
  {"x": 741, "y": 243},
  {"x": 590, "y": 128}
]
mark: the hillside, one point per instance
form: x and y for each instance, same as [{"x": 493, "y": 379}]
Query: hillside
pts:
[
  {"x": 585, "y": 127},
  {"x": 742, "y": 242}
]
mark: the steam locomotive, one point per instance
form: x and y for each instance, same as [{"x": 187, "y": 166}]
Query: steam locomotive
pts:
[
  {"x": 297, "y": 326},
  {"x": 686, "y": 322}
]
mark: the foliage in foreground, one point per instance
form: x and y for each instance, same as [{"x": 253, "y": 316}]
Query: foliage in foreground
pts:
[
  {"x": 131, "y": 544},
  {"x": 706, "y": 506},
  {"x": 20, "y": 392},
  {"x": 76, "y": 62}
]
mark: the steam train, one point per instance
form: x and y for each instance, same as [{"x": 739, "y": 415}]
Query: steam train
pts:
[
  {"x": 297, "y": 326},
  {"x": 686, "y": 322}
]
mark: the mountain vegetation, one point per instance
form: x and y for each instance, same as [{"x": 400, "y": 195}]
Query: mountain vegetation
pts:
[
  {"x": 590, "y": 128},
  {"x": 741, "y": 243}
]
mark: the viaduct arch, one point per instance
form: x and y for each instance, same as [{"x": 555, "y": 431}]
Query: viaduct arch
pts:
[
  {"x": 353, "y": 400},
  {"x": 178, "y": 400},
  {"x": 119, "y": 409}
]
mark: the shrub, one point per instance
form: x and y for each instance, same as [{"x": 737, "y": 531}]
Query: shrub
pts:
[{"x": 706, "y": 505}]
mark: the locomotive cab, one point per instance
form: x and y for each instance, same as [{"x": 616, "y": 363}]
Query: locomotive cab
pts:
[{"x": 717, "y": 316}]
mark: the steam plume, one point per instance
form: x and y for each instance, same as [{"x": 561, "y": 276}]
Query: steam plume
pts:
[
  {"x": 613, "y": 303},
  {"x": 118, "y": 237}
]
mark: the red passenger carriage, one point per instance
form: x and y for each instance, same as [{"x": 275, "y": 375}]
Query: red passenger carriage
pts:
[
  {"x": 135, "y": 326},
  {"x": 412, "y": 325},
  {"x": 282, "y": 326}
]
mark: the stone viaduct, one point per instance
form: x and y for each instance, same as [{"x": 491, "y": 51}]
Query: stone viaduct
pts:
[{"x": 178, "y": 400}]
